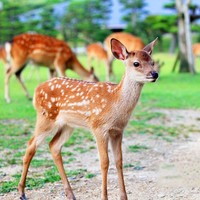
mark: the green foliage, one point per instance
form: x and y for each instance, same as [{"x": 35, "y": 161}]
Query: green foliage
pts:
[
  {"x": 17, "y": 18},
  {"x": 162, "y": 23},
  {"x": 170, "y": 5},
  {"x": 134, "y": 12},
  {"x": 47, "y": 22},
  {"x": 92, "y": 15}
]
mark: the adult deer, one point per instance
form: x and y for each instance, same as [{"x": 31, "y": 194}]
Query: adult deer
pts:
[
  {"x": 131, "y": 42},
  {"x": 105, "y": 108},
  {"x": 42, "y": 50},
  {"x": 97, "y": 51}
]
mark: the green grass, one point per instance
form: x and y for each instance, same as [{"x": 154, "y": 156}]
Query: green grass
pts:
[
  {"x": 172, "y": 90},
  {"x": 51, "y": 175},
  {"x": 137, "y": 148}
]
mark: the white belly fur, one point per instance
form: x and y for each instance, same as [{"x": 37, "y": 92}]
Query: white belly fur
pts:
[{"x": 72, "y": 119}]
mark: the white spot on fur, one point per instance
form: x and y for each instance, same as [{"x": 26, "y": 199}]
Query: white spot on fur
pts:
[
  {"x": 52, "y": 87},
  {"x": 103, "y": 100},
  {"x": 53, "y": 99},
  {"x": 71, "y": 97},
  {"x": 45, "y": 95},
  {"x": 96, "y": 111},
  {"x": 82, "y": 103},
  {"x": 49, "y": 105},
  {"x": 109, "y": 89}
]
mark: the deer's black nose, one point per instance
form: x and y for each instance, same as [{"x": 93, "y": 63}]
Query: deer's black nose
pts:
[{"x": 154, "y": 74}]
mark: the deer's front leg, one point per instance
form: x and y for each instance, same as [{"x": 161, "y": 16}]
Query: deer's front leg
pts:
[
  {"x": 30, "y": 152},
  {"x": 116, "y": 141},
  {"x": 102, "y": 144}
]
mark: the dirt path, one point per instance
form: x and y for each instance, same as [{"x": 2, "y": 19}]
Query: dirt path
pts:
[{"x": 164, "y": 171}]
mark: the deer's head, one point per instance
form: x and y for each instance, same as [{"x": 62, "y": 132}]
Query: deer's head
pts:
[{"x": 139, "y": 64}]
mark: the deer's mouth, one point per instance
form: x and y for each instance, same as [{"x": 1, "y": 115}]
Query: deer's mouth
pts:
[{"x": 153, "y": 76}]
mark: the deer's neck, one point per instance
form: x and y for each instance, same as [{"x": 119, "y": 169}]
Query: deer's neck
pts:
[
  {"x": 79, "y": 69},
  {"x": 129, "y": 92}
]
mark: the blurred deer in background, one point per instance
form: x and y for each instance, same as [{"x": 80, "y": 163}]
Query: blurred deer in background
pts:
[
  {"x": 42, "y": 50},
  {"x": 3, "y": 54},
  {"x": 131, "y": 42},
  {"x": 5, "y": 60},
  {"x": 96, "y": 51},
  {"x": 63, "y": 104},
  {"x": 196, "y": 50}
]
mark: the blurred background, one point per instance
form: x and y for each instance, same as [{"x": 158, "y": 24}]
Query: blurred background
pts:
[{"x": 81, "y": 22}]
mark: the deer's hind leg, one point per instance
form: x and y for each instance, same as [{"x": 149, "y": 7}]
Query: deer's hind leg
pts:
[
  {"x": 42, "y": 129},
  {"x": 55, "y": 145}
]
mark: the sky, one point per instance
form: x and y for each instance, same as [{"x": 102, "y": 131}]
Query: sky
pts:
[
  {"x": 156, "y": 6},
  {"x": 153, "y": 7}
]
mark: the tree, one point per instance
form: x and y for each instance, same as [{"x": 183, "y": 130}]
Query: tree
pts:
[
  {"x": 47, "y": 23},
  {"x": 184, "y": 37},
  {"x": 18, "y": 18},
  {"x": 86, "y": 20},
  {"x": 158, "y": 25},
  {"x": 134, "y": 15},
  {"x": 9, "y": 23}
]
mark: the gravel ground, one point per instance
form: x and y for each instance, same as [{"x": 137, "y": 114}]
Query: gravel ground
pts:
[{"x": 166, "y": 170}]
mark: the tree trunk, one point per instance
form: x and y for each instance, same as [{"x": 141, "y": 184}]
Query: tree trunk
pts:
[
  {"x": 190, "y": 57},
  {"x": 184, "y": 65},
  {"x": 173, "y": 43},
  {"x": 186, "y": 58}
]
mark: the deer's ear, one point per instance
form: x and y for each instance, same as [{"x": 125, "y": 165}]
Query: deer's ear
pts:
[
  {"x": 149, "y": 48},
  {"x": 118, "y": 49}
]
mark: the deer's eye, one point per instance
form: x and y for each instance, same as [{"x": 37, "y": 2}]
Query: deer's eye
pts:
[{"x": 136, "y": 64}]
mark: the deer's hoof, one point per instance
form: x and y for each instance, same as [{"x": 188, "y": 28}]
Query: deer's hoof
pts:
[{"x": 23, "y": 197}]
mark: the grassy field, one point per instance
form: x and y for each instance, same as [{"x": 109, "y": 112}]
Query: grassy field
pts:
[
  {"x": 17, "y": 118},
  {"x": 170, "y": 91}
]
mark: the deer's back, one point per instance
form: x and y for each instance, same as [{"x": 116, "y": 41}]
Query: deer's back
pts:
[
  {"x": 41, "y": 49},
  {"x": 97, "y": 50},
  {"x": 130, "y": 41}
]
